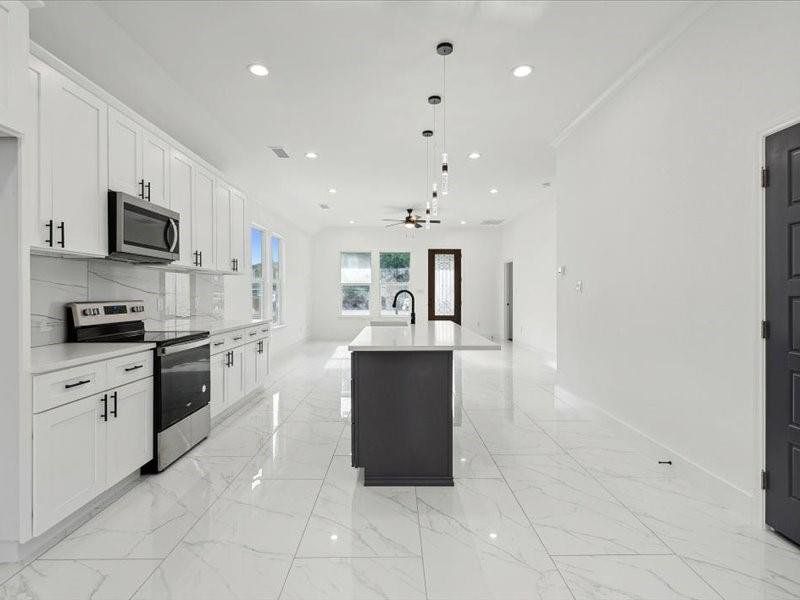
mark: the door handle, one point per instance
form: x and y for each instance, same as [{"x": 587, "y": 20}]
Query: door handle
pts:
[
  {"x": 77, "y": 383},
  {"x": 104, "y": 400},
  {"x": 114, "y": 411}
]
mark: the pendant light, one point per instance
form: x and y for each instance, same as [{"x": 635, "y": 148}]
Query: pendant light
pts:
[
  {"x": 434, "y": 100},
  {"x": 427, "y": 134},
  {"x": 444, "y": 49}
]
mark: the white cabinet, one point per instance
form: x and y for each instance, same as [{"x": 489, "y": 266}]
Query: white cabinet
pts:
[
  {"x": 250, "y": 359},
  {"x": 138, "y": 161},
  {"x": 234, "y": 376},
  {"x": 130, "y": 429},
  {"x": 73, "y": 167},
  {"x": 155, "y": 171},
  {"x": 219, "y": 365},
  {"x": 222, "y": 227},
  {"x": 124, "y": 154},
  {"x": 14, "y": 99},
  {"x": 237, "y": 231},
  {"x": 69, "y": 447},
  {"x": 181, "y": 177},
  {"x": 262, "y": 362},
  {"x": 203, "y": 218},
  {"x": 86, "y": 444}
]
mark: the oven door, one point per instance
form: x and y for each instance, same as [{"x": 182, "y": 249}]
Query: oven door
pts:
[
  {"x": 140, "y": 231},
  {"x": 183, "y": 381}
]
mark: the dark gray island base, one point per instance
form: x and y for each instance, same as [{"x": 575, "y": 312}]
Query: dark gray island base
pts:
[{"x": 402, "y": 417}]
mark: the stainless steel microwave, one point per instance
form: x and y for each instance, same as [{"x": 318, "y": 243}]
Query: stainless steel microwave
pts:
[{"x": 140, "y": 231}]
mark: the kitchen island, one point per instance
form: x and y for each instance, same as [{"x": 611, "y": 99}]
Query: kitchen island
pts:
[{"x": 402, "y": 401}]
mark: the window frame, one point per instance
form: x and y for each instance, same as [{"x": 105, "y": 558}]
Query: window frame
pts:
[
  {"x": 392, "y": 315},
  {"x": 281, "y": 322},
  {"x": 371, "y": 285},
  {"x": 264, "y": 263}
]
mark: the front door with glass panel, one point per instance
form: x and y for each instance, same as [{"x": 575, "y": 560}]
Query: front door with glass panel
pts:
[{"x": 444, "y": 285}]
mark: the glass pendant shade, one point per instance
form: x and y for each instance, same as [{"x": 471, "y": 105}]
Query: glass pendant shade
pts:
[{"x": 444, "y": 174}]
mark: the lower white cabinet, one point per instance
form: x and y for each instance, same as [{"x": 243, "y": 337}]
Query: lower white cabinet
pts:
[
  {"x": 82, "y": 448},
  {"x": 238, "y": 370}
]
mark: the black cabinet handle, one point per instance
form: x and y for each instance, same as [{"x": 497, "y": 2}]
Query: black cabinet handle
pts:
[
  {"x": 104, "y": 416},
  {"x": 236, "y": 339},
  {"x": 114, "y": 411},
  {"x": 49, "y": 240},
  {"x": 63, "y": 228},
  {"x": 148, "y": 191},
  {"x": 129, "y": 369},
  {"x": 231, "y": 357},
  {"x": 77, "y": 383},
  {"x": 218, "y": 344},
  {"x": 252, "y": 333},
  {"x": 228, "y": 359},
  {"x": 201, "y": 258},
  {"x": 141, "y": 184}
]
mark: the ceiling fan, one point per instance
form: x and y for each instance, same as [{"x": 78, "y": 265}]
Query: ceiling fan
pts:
[{"x": 411, "y": 220}]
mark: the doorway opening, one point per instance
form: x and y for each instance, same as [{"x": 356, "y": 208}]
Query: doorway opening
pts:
[
  {"x": 508, "y": 297},
  {"x": 444, "y": 285}
]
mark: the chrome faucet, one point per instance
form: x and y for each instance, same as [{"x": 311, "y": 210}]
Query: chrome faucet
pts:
[{"x": 394, "y": 304}]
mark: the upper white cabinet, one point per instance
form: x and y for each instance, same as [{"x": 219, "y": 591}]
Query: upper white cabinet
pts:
[
  {"x": 203, "y": 218},
  {"x": 237, "y": 231},
  {"x": 73, "y": 166},
  {"x": 181, "y": 191},
  {"x": 222, "y": 227},
  {"x": 138, "y": 160},
  {"x": 82, "y": 146},
  {"x": 14, "y": 99}
]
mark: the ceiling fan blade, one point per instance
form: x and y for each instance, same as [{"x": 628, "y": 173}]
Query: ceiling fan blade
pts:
[
  {"x": 394, "y": 224},
  {"x": 393, "y": 220},
  {"x": 434, "y": 221}
]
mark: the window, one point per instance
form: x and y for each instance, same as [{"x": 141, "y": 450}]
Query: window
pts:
[
  {"x": 395, "y": 274},
  {"x": 356, "y": 276},
  {"x": 257, "y": 272},
  {"x": 276, "y": 258}
]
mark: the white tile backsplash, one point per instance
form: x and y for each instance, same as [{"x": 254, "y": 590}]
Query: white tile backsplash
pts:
[{"x": 166, "y": 295}]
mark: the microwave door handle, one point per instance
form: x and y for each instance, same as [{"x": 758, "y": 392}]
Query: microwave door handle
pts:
[{"x": 174, "y": 227}]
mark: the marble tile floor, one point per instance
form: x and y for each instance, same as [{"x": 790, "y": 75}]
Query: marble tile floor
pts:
[{"x": 551, "y": 501}]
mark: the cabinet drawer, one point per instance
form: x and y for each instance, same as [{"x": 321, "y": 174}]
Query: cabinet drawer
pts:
[
  {"x": 253, "y": 333},
  {"x": 60, "y": 387},
  {"x": 237, "y": 338},
  {"x": 219, "y": 343},
  {"x": 130, "y": 368}
]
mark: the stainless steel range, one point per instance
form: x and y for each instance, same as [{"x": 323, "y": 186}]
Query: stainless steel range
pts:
[{"x": 182, "y": 374}]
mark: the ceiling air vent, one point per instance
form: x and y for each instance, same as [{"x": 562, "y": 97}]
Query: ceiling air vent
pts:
[
  {"x": 279, "y": 151},
  {"x": 492, "y": 222},
  {"x": 324, "y": 206}
]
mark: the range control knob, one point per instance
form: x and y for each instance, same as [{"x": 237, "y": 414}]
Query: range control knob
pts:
[{"x": 86, "y": 311}]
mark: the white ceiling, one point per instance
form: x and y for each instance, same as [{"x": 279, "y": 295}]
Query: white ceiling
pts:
[{"x": 349, "y": 80}]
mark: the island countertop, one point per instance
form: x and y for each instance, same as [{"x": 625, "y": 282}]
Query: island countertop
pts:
[{"x": 437, "y": 335}]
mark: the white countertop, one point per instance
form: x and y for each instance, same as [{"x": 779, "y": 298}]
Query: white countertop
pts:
[
  {"x": 437, "y": 335},
  {"x": 214, "y": 326},
  {"x": 63, "y": 356}
]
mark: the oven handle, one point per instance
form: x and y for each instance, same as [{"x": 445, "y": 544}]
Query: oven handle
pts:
[{"x": 181, "y": 347}]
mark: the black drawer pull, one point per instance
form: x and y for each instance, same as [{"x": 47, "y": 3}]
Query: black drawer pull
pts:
[
  {"x": 129, "y": 369},
  {"x": 236, "y": 339},
  {"x": 77, "y": 383},
  {"x": 252, "y": 333},
  {"x": 218, "y": 343}
]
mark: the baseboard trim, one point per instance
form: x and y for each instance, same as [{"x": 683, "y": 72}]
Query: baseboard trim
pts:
[{"x": 737, "y": 499}]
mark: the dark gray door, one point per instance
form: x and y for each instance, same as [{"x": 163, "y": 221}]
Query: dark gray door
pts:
[{"x": 783, "y": 341}]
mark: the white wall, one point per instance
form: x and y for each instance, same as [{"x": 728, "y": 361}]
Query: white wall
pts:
[
  {"x": 480, "y": 275},
  {"x": 660, "y": 215},
  {"x": 529, "y": 241}
]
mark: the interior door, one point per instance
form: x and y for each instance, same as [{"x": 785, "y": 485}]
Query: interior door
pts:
[
  {"x": 444, "y": 285},
  {"x": 783, "y": 340},
  {"x": 509, "y": 299}
]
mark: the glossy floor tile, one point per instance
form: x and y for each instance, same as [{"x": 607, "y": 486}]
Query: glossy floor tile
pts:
[{"x": 551, "y": 501}]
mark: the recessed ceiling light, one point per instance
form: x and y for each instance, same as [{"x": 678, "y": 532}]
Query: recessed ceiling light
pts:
[
  {"x": 311, "y": 155},
  {"x": 474, "y": 155},
  {"x": 493, "y": 191},
  {"x": 258, "y": 70},
  {"x": 546, "y": 184},
  {"x": 352, "y": 222},
  {"x": 331, "y": 190},
  {"x": 463, "y": 222},
  {"x": 324, "y": 206},
  {"x": 522, "y": 71}
]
